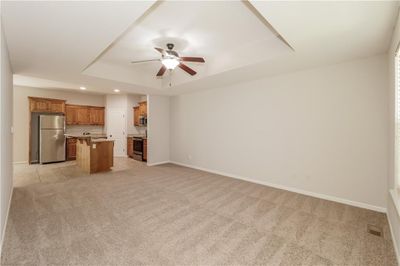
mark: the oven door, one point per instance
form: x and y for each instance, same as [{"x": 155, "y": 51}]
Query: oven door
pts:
[{"x": 137, "y": 149}]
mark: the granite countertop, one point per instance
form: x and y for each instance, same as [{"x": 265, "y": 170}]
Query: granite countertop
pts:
[
  {"x": 137, "y": 136},
  {"x": 101, "y": 140},
  {"x": 95, "y": 135}
]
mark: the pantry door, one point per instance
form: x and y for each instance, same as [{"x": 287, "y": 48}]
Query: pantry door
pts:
[{"x": 116, "y": 130}]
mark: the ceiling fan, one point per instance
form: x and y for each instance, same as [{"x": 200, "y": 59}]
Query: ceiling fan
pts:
[{"x": 171, "y": 59}]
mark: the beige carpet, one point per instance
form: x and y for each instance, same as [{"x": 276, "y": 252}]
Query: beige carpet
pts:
[{"x": 171, "y": 215}]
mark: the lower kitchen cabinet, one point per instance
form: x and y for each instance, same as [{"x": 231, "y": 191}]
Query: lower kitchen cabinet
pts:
[
  {"x": 145, "y": 150},
  {"x": 71, "y": 149},
  {"x": 130, "y": 147}
]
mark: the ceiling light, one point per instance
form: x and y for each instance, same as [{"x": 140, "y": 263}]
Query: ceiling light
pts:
[
  {"x": 116, "y": 90},
  {"x": 82, "y": 88},
  {"x": 170, "y": 63}
]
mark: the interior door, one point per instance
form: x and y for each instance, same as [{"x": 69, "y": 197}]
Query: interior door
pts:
[{"x": 116, "y": 124}]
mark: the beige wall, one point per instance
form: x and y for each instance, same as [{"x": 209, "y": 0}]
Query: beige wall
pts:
[
  {"x": 158, "y": 124},
  {"x": 21, "y": 117},
  {"x": 321, "y": 131},
  {"x": 6, "y": 114},
  {"x": 393, "y": 214}
]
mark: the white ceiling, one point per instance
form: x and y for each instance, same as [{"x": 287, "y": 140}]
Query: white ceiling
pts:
[
  {"x": 200, "y": 29},
  {"x": 57, "y": 40}
]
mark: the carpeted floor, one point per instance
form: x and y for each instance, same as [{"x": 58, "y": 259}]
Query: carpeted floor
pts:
[{"x": 171, "y": 215}]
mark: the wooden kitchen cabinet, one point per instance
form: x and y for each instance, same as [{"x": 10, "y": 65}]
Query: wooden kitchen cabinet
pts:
[
  {"x": 145, "y": 150},
  {"x": 57, "y": 106},
  {"x": 71, "y": 149},
  {"x": 130, "y": 147},
  {"x": 139, "y": 111},
  {"x": 71, "y": 114},
  {"x": 96, "y": 115},
  {"x": 84, "y": 115},
  {"x": 136, "y": 116},
  {"x": 143, "y": 108},
  {"x": 46, "y": 105}
]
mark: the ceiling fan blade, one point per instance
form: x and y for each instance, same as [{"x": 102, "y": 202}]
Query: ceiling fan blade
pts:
[
  {"x": 160, "y": 50},
  {"x": 192, "y": 59},
  {"x": 161, "y": 71},
  {"x": 144, "y": 61},
  {"x": 187, "y": 69}
]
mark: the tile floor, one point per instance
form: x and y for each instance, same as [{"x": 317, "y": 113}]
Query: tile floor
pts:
[{"x": 25, "y": 174}]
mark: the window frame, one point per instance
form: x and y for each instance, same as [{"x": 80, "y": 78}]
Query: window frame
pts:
[{"x": 396, "y": 188}]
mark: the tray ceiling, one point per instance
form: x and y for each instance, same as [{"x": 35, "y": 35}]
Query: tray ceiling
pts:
[{"x": 227, "y": 34}]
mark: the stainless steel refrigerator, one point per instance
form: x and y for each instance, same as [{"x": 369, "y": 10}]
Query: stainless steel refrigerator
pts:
[{"x": 51, "y": 138}]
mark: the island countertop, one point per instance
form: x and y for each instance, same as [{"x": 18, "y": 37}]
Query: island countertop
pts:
[
  {"x": 72, "y": 135},
  {"x": 94, "y": 155}
]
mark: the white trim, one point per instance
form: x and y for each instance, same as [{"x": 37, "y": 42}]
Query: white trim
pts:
[
  {"x": 292, "y": 189},
  {"x": 396, "y": 201},
  {"x": 159, "y": 163},
  {"x": 6, "y": 219},
  {"x": 396, "y": 248},
  {"x": 21, "y": 162}
]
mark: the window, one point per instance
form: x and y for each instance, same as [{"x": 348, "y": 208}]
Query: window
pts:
[{"x": 397, "y": 121}]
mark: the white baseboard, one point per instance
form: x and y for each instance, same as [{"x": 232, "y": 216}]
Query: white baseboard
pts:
[
  {"x": 5, "y": 223},
  {"x": 292, "y": 189},
  {"x": 158, "y": 163}
]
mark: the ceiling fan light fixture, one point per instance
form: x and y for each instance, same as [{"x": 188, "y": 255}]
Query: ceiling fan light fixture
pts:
[{"x": 170, "y": 63}]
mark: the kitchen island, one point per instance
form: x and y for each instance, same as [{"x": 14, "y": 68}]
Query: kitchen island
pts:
[{"x": 94, "y": 155}]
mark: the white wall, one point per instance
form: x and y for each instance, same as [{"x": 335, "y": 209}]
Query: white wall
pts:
[
  {"x": 124, "y": 103},
  {"x": 21, "y": 117},
  {"x": 158, "y": 124},
  {"x": 393, "y": 214},
  {"x": 6, "y": 113},
  {"x": 321, "y": 130}
]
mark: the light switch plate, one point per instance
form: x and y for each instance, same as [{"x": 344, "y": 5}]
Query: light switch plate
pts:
[{"x": 94, "y": 146}]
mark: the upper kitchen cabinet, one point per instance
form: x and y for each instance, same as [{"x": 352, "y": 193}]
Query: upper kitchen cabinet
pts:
[
  {"x": 136, "y": 114},
  {"x": 143, "y": 108},
  {"x": 71, "y": 114},
  {"x": 96, "y": 115},
  {"x": 140, "y": 112},
  {"x": 46, "y": 105},
  {"x": 84, "y": 115}
]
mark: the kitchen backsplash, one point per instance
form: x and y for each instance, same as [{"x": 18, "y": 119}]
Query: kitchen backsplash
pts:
[
  {"x": 140, "y": 130},
  {"x": 76, "y": 129}
]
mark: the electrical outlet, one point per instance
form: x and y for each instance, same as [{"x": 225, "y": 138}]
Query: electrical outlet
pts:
[{"x": 189, "y": 156}]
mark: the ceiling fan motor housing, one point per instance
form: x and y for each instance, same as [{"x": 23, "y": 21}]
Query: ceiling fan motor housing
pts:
[
  {"x": 171, "y": 53},
  {"x": 171, "y": 59},
  {"x": 170, "y": 46}
]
